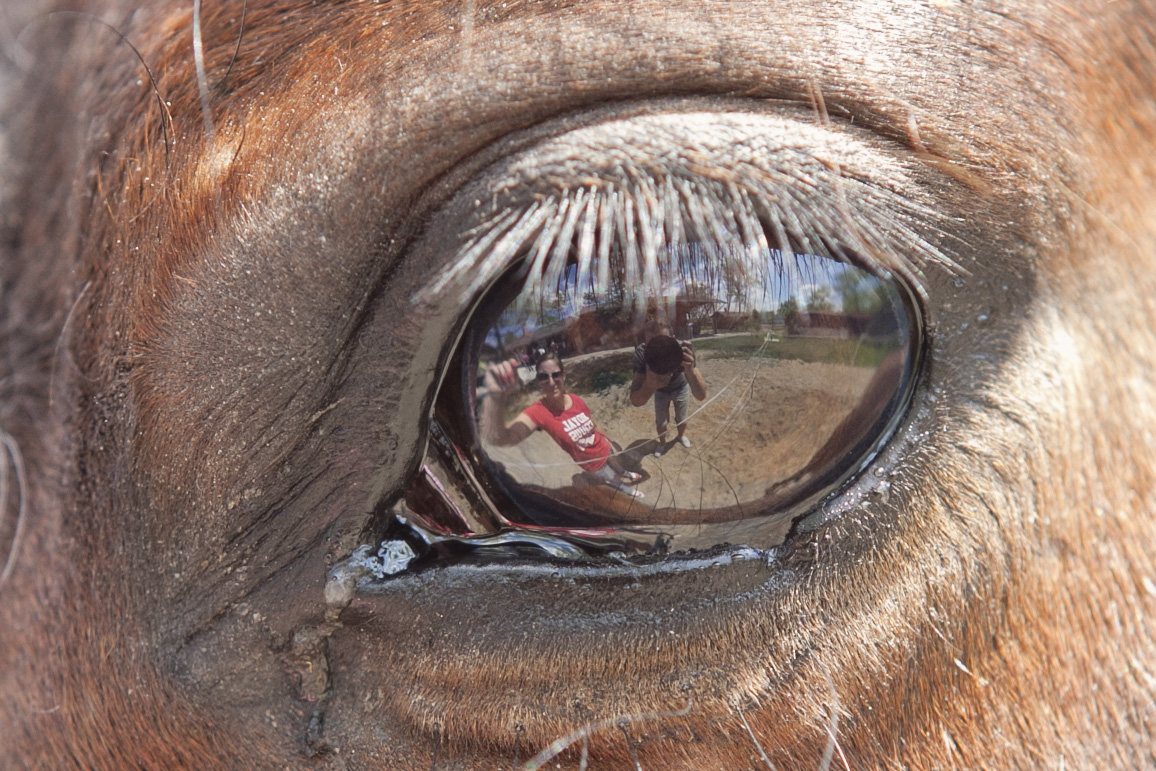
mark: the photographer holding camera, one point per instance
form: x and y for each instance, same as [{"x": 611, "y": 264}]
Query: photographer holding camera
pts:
[{"x": 665, "y": 369}]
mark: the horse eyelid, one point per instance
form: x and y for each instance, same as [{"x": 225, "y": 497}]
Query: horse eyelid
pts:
[{"x": 843, "y": 199}]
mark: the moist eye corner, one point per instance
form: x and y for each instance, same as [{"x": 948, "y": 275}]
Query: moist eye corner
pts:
[{"x": 369, "y": 567}]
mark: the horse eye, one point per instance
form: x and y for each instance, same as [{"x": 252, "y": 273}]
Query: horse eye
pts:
[{"x": 711, "y": 402}]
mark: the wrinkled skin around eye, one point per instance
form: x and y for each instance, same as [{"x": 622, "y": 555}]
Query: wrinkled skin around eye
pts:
[{"x": 229, "y": 299}]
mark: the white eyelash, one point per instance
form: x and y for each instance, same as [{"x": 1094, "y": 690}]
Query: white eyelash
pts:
[{"x": 631, "y": 218}]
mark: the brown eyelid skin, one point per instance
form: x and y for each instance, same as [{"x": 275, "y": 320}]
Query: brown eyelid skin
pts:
[{"x": 214, "y": 375}]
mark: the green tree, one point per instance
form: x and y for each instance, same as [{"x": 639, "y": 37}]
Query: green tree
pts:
[
  {"x": 791, "y": 315},
  {"x": 850, "y": 288},
  {"x": 820, "y": 299}
]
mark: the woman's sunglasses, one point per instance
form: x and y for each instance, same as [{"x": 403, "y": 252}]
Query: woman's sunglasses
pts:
[{"x": 544, "y": 376}]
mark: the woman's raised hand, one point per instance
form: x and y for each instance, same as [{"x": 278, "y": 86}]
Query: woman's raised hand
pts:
[{"x": 502, "y": 377}]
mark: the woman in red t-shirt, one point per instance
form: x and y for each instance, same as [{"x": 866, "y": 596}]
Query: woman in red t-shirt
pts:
[{"x": 565, "y": 417}]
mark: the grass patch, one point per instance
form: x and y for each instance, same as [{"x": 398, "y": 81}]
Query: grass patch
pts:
[
  {"x": 600, "y": 374},
  {"x": 819, "y": 350},
  {"x": 603, "y": 380}
]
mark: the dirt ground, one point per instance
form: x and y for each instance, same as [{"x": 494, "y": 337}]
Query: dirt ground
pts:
[{"x": 762, "y": 421}]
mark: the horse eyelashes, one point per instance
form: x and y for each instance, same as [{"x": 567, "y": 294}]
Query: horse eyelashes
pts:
[{"x": 631, "y": 233}]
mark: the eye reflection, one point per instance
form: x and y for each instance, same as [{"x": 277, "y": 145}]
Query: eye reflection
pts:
[{"x": 729, "y": 386}]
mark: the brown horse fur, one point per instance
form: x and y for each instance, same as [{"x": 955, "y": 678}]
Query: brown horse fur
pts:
[{"x": 212, "y": 374}]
